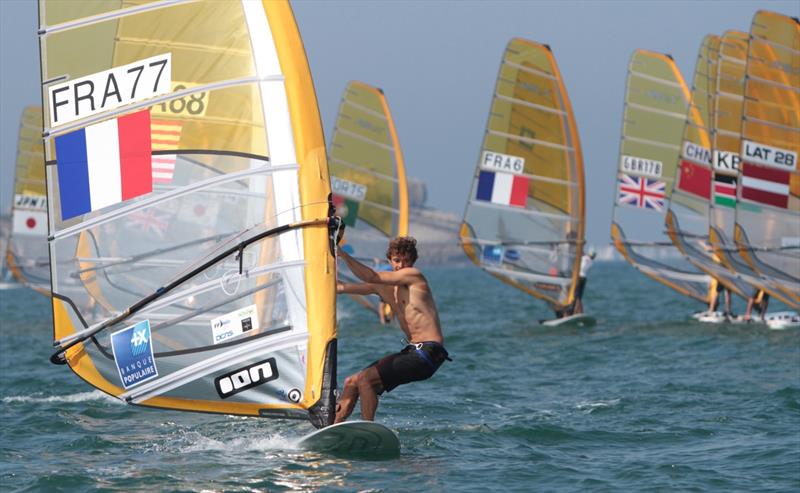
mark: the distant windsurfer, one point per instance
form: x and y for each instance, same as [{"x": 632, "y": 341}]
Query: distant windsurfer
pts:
[
  {"x": 408, "y": 294},
  {"x": 758, "y": 301},
  {"x": 586, "y": 263}
]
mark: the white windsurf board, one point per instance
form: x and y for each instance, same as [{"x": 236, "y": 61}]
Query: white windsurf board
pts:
[
  {"x": 353, "y": 437},
  {"x": 578, "y": 320}
]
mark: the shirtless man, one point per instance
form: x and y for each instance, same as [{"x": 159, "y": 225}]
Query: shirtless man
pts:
[{"x": 406, "y": 291}]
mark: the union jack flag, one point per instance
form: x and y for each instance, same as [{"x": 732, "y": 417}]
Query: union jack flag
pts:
[
  {"x": 150, "y": 221},
  {"x": 641, "y": 192}
]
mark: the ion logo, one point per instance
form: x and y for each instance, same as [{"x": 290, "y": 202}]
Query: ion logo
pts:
[
  {"x": 294, "y": 395},
  {"x": 246, "y": 378}
]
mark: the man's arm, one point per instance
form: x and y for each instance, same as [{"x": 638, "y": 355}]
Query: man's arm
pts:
[
  {"x": 394, "y": 278},
  {"x": 349, "y": 288}
]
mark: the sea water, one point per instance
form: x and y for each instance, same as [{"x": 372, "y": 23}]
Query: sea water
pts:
[{"x": 647, "y": 400}]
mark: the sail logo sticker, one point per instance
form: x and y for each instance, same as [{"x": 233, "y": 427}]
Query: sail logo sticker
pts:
[
  {"x": 774, "y": 157},
  {"x": 496, "y": 161},
  {"x": 696, "y": 153},
  {"x": 641, "y": 166},
  {"x": 133, "y": 354},
  {"x": 110, "y": 89},
  {"x": 246, "y": 378},
  {"x": 726, "y": 162},
  {"x": 234, "y": 324}
]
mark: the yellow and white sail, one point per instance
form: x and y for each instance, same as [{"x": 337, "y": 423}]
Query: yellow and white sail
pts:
[
  {"x": 656, "y": 102},
  {"x": 767, "y": 230},
  {"x": 26, "y": 253},
  {"x": 687, "y": 219},
  {"x": 524, "y": 220},
  {"x": 368, "y": 177},
  {"x": 194, "y": 269}
]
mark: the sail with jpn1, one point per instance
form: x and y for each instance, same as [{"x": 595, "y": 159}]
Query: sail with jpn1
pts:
[
  {"x": 26, "y": 252},
  {"x": 191, "y": 228},
  {"x": 524, "y": 219},
  {"x": 656, "y": 102}
]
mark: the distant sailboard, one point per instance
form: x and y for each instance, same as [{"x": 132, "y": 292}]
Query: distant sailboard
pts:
[
  {"x": 524, "y": 219},
  {"x": 578, "y": 320},
  {"x": 656, "y": 102},
  {"x": 368, "y": 179}
]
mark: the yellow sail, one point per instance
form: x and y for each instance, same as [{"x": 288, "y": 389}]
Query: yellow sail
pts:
[
  {"x": 368, "y": 177},
  {"x": 524, "y": 220},
  {"x": 687, "y": 219},
  {"x": 198, "y": 272},
  {"x": 767, "y": 229},
  {"x": 26, "y": 253},
  {"x": 656, "y": 103}
]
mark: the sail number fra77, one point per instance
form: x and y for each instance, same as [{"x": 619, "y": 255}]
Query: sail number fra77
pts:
[{"x": 110, "y": 89}]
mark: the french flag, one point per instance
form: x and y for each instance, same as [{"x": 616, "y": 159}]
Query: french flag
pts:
[
  {"x": 104, "y": 164},
  {"x": 502, "y": 188}
]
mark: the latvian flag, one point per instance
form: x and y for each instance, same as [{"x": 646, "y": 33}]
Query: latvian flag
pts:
[
  {"x": 104, "y": 164},
  {"x": 166, "y": 135},
  {"x": 502, "y": 188},
  {"x": 763, "y": 185},
  {"x": 725, "y": 190}
]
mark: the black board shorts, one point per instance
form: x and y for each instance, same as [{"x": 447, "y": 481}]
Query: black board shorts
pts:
[
  {"x": 579, "y": 288},
  {"x": 414, "y": 362}
]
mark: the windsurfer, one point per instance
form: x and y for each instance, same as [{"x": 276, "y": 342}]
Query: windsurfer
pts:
[
  {"x": 759, "y": 301},
  {"x": 408, "y": 294},
  {"x": 586, "y": 263}
]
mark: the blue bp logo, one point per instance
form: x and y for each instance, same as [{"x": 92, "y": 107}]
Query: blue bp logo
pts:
[{"x": 133, "y": 353}]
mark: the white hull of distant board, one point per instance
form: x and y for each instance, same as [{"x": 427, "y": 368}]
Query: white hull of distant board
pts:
[
  {"x": 579, "y": 320},
  {"x": 773, "y": 320},
  {"x": 353, "y": 437}
]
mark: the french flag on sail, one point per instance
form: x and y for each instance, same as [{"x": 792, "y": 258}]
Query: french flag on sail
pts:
[
  {"x": 104, "y": 164},
  {"x": 502, "y": 188}
]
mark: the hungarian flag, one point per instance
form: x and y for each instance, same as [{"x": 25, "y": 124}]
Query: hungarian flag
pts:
[
  {"x": 725, "y": 190},
  {"x": 769, "y": 186},
  {"x": 695, "y": 179},
  {"x": 347, "y": 209}
]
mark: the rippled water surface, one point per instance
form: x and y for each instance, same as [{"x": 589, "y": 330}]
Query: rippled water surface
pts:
[{"x": 645, "y": 401}]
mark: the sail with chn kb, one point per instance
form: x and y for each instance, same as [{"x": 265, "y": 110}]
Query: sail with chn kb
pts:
[
  {"x": 687, "y": 219},
  {"x": 523, "y": 221},
  {"x": 188, "y": 193},
  {"x": 728, "y": 102},
  {"x": 767, "y": 230},
  {"x": 368, "y": 180},
  {"x": 656, "y": 102},
  {"x": 26, "y": 253}
]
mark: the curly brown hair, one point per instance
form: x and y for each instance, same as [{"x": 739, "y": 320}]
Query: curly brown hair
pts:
[{"x": 404, "y": 246}]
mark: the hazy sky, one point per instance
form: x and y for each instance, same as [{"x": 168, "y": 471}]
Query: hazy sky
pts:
[{"x": 437, "y": 62}]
